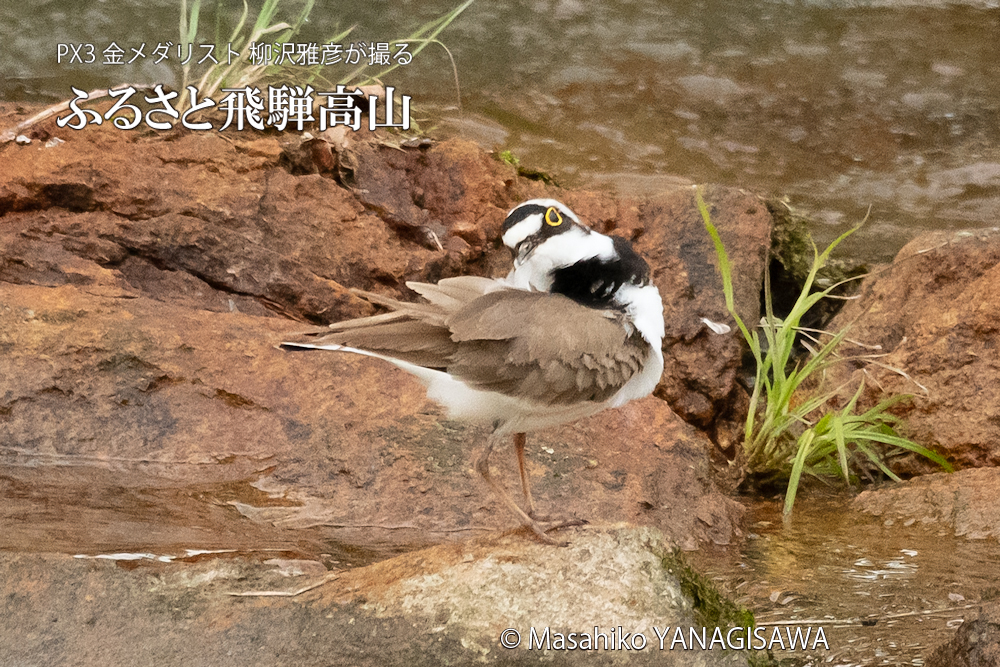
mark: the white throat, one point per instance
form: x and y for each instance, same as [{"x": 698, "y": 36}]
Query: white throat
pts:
[{"x": 645, "y": 310}]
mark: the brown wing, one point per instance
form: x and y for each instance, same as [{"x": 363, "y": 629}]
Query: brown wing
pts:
[
  {"x": 540, "y": 346},
  {"x": 450, "y": 294},
  {"x": 544, "y": 347}
]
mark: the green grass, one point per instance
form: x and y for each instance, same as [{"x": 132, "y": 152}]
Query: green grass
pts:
[
  {"x": 791, "y": 430},
  {"x": 241, "y": 72}
]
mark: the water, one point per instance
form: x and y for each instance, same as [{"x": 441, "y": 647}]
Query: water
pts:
[
  {"x": 838, "y": 106},
  {"x": 841, "y": 106},
  {"x": 145, "y": 510},
  {"x": 884, "y": 595}
]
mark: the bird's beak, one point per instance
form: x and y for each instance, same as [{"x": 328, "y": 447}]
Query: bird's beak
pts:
[{"x": 523, "y": 249}]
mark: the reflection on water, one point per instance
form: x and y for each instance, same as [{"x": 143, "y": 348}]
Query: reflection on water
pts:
[
  {"x": 144, "y": 510},
  {"x": 884, "y": 595},
  {"x": 866, "y": 570},
  {"x": 841, "y": 105}
]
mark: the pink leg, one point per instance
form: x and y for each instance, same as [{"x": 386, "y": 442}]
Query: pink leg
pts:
[{"x": 482, "y": 465}]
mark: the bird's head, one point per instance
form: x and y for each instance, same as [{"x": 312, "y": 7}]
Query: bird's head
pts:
[
  {"x": 534, "y": 222},
  {"x": 554, "y": 251}
]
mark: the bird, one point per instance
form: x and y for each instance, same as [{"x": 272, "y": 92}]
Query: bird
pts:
[{"x": 573, "y": 329}]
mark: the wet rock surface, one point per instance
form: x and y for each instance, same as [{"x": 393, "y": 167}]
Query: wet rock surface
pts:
[
  {"x": 345, "y": 447},
  {"x": 976, "y": 644},
  {"x": 967, "y": 501},
  {"x": 444, "y": 605},
  {"x": 934, "y": 312}
]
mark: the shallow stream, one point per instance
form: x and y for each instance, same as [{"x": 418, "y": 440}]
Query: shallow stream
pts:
[{"x": 884, "y": 595}]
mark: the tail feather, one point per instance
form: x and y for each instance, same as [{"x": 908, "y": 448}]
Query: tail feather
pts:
[
  {"x": 452, "y": 293},
  {"x": 298, "y": 346},
  {"x": 415, "y": 334}
]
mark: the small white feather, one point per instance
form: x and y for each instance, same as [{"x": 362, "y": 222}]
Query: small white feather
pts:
[{"x": 716, "y": 327}]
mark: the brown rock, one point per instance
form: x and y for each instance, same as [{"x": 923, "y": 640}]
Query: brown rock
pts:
[
  {"x": 220, "y": 210},
  {"x": 139, "y": 295},
  {"x": 144, "y": 408},
  {"x": 37, "y": 242},
  {"x": 458, "y": 183},
  {"x": 934, "y": 313},
  {"x": 976, "y": 643},
  {"x": 699, "y": 379},
  {"x": 351, "y": 444},
  {"x": 967, "y": 501}
]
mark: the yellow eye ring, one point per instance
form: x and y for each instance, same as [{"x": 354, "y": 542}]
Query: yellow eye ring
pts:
[{"x": 553, "y": 218}]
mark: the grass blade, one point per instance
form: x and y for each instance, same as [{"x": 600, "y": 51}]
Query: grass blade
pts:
[{"x": 823, "y": 446}]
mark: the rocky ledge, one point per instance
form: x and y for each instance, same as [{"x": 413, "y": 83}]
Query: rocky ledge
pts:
[
  {"x": 149, "y": 426},
  {"x": 146, "y": 278}
]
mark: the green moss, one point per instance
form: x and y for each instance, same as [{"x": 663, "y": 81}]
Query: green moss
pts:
[
  {"x": 61, "y": 316},
  {"x": 508, "y": 157},
  {"x": 712, "y": 609},
  {"x": 792, "y": 255},
  {"x": 791, "y": 243}
]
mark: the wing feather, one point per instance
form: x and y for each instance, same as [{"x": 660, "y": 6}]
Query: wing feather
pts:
[
  {"x": 535, "y": 345},
  {"x": 453, "y": 293},
  {"x": 544, "y": 347}
]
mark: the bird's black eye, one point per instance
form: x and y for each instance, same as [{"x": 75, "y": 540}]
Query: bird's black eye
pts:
[{"x": 553, "y": 218}]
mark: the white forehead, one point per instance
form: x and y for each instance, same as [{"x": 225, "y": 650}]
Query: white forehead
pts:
[
  {"x": 522, "y": 230},
  {"x": 533, "y": 223}
]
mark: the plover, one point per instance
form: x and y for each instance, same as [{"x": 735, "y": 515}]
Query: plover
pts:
[{"x": 575, "y": 328}]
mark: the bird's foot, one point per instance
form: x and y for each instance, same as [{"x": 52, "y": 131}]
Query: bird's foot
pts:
[
  {"x": 561, "y": 520},
  {"x": 542, "y": 525}
]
